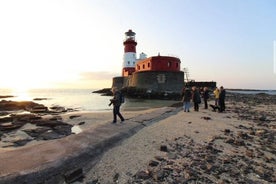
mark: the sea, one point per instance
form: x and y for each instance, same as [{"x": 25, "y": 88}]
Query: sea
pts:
[
  {"x": 79, "y": 99},
  {"x": 86, "y": 100}
]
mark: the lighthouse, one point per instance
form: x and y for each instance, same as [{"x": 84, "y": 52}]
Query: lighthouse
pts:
[{"x": 129, "y": 59}]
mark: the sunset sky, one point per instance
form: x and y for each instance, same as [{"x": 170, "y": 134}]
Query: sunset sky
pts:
[{"x": 79, "y": 44}]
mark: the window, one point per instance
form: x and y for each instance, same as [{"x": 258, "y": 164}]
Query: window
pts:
[
  {"x": 169, "y": 64},
  {"x": 143, "y": 66},
  {"x": 176, "y": 65},
  {"x": 128, "y": 62},
  {"x": 148, "y": 64}
]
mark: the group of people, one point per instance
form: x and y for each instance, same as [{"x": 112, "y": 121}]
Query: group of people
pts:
[
  {"x": 188, "y": 95},
  {"x": 194, "y": 95}
]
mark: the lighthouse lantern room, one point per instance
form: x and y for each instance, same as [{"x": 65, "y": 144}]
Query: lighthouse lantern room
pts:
[{"x": 129, "y": 53}]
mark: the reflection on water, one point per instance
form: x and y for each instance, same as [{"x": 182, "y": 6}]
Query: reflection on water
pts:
[
  {"x": 76, "y": 129},
  {"x": 81, "y": 99}
]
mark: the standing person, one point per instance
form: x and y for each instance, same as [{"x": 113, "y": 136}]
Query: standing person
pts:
[
  {"x": 186, "y": 99},
  {"x": 196, "y": 98},
  {"x": 205, "y": 96},
  {"x": 222, "y": 99},
  {"x": 216, "y": 93},
  {"x": 116, "y": 101}
]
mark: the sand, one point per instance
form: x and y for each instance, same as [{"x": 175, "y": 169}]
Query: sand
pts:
[{"x": 121, "y": 163}]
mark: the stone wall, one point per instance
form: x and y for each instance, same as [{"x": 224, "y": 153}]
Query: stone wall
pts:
[{"x": 157, "y": 81}]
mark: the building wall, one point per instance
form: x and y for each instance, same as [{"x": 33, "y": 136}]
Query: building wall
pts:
[
  {"x": 130, "y": 45},
  {"x": 127, "y": 71},
  {"x": 159, "y": 63},
  {"x": 157, "y": 81},
  {"x": 118, "y": 82}
]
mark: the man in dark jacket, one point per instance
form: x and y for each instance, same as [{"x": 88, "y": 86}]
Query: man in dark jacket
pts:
[
  {"x": 196, "y": 98},
  {"x": 116, "y": 101},
  {"x": 221, "y": 99}
]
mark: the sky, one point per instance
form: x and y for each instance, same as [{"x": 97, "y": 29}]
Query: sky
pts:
[{"x": 79, "y": 43}]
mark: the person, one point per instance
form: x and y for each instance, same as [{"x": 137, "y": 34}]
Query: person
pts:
[
  {"x": 221, "y": 99},
  {"x": 216, "y": 93},
  {"x": 186, "y": 99},
  {"x": 116, "y": 101},
  {"x": 205, "y": 96},
  {"x": 196, "y": 98}
]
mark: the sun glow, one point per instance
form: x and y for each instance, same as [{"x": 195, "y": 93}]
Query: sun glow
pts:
[{"x": 21, "y": 95}]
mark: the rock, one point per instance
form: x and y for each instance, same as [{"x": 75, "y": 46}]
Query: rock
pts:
[
  {"x": 9, "y": 126},
  {"x": 39, "y": 99},
  {"x": 58, "y": 109},
  {"x": 6, "y": 96},
  {"x": 143, "y": 175},
  {"x": 81, "y": 123},
  {"x": 153, "y": 163},
  {"x": 263, "y": 118},
  {"x": 35, "y": 133},
  {"x": 116, "y": 177},
  {"x": 227, "y": 131},
  {"x": 74, "y": 116},
  {"x": 206, "y": 118},
  {"x": 164, "y": 148},
  {"x": 160, "y": 158},
  {"x": 73, "y": 176},
  {"x": 49, "y": 135}
]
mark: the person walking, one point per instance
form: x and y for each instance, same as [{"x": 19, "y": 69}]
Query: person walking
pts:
[
  {"x": 222, "y": 99},
  {"x": 205, "y": 96},
  {"x": 216, "y": 93},
  {"x": 186, "y": 99},
  {"x": 116, "y": 101},
  {"x": 196, "y": 98}
]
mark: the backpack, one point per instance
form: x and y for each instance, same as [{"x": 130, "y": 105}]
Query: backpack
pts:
[{"x": 122, "y": 98}]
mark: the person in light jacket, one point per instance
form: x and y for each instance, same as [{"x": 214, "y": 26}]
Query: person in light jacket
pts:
[{"x": 216, "y": 93}]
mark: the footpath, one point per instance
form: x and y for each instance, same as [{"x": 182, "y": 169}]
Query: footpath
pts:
[{"x": 66, "y": 160}]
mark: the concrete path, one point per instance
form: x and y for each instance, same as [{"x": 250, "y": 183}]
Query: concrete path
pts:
[{"x": 64, "y": 160}]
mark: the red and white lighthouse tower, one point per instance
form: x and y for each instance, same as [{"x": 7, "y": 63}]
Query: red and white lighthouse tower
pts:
[{"x": 129, "y": 54}]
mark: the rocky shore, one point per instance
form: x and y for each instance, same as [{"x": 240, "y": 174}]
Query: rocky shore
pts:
[
  {"x": 22, "y": 122},
  {"x": 235, "y": 147}
]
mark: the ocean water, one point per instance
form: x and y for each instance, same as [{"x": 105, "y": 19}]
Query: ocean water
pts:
[
  {"x": 85, "y": 100},
  {"x": 80, "y": 99},
  {"x": 254, "y": 92}
]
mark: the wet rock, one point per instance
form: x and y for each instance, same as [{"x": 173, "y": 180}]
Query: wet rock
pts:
[
  {"x": 74, "y": 116},
  {"x": 37, "y": 132},
  {"x": 81, "y": 123},
  {"x": 58, "y": 109},
  {"x": 39, "y": 99},
  {"x": 48, "y": 123},
  {"x": 49, "y": 135}
]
